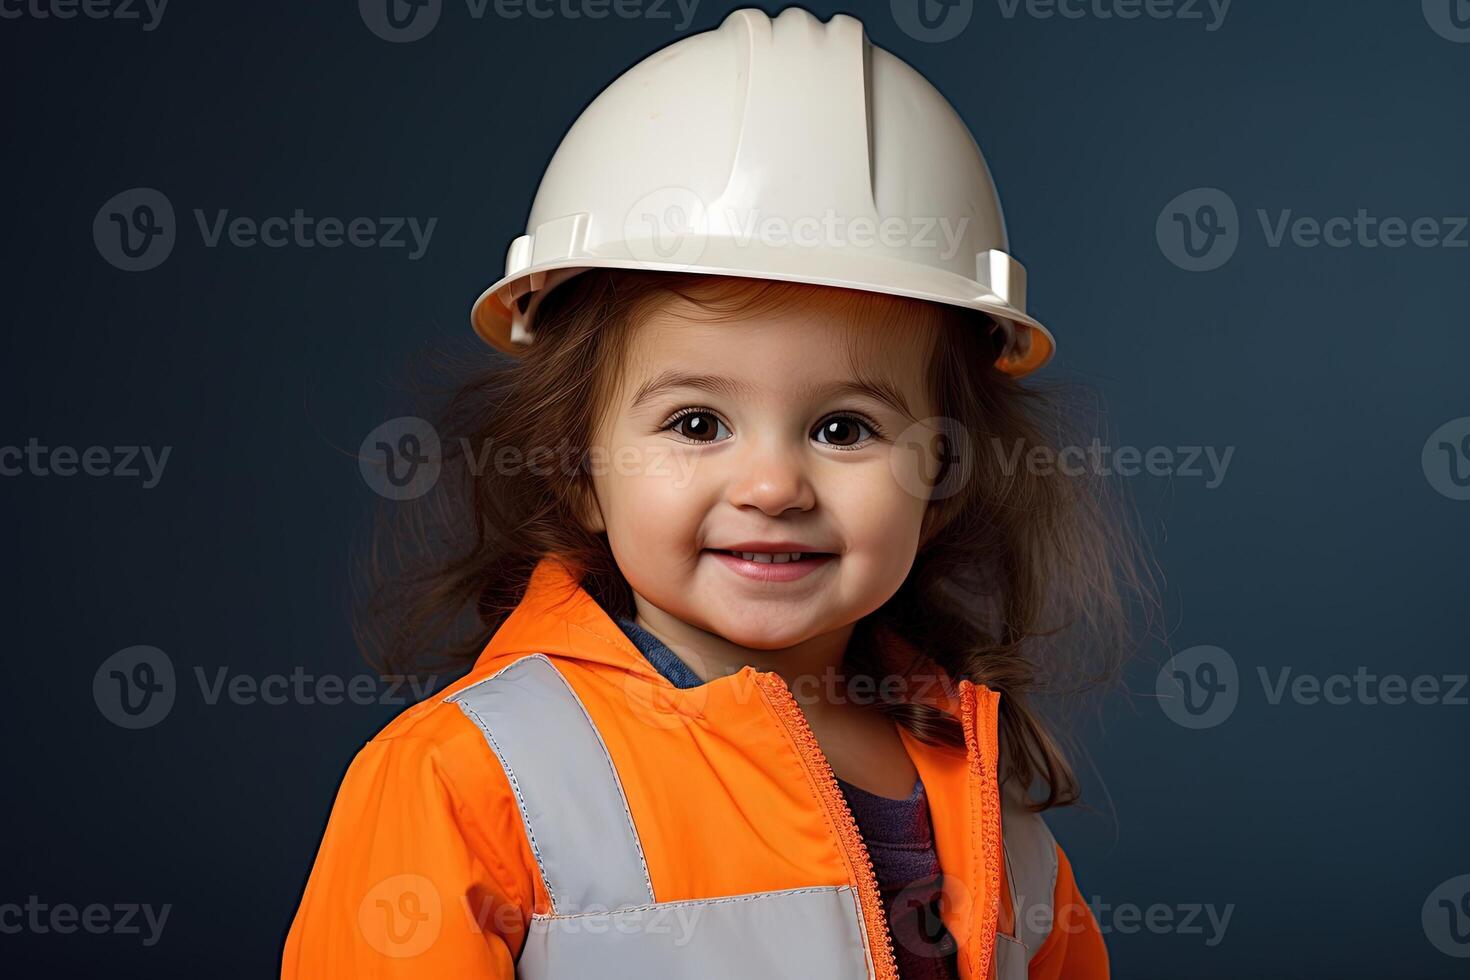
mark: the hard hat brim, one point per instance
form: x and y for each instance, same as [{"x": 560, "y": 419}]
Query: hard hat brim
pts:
[{"x": 492, "y": 313}]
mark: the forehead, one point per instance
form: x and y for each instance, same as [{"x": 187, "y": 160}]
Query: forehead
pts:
[{"x": 817, "y": 336}]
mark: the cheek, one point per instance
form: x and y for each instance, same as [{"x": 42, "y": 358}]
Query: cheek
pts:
[
  {"x": 649, "y": 502},
  {"x": 879, "y": 509}
]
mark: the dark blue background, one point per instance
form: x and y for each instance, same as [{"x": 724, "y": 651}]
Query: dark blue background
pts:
[{"x": 1324, "y": 549}]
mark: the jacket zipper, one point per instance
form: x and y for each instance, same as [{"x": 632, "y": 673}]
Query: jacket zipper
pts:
[
  {"x": 875, "y": 917},
  {"x": 986, "y": 795}
]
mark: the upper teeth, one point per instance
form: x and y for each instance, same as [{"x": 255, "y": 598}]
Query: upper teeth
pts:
[{"x": 768, "y": 557}]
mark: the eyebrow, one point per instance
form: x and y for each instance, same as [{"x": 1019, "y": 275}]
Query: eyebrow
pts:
[{"x": 879, "y": 388}]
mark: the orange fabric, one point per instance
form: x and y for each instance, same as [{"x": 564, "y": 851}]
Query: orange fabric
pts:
[{"x": 425, "y": 869}]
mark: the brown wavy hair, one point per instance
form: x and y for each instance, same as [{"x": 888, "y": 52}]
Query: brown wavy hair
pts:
[{"x": 1027, "y": 580}]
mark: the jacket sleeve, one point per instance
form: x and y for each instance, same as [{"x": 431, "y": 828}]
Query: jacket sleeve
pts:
[
  {"x": 1074, "y": 950},
  {"x": 402, "y": 886}
]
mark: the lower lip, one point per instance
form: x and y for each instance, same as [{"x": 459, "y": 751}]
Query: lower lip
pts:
[{"x": 771, "y": 571}]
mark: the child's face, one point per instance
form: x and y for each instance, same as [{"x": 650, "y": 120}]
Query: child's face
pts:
[{"x": 770, "y": 447}]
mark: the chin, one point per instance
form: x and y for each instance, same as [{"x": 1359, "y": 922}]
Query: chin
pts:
[
  {"x": 763, "y": 641},
  {"x": 768, "y": 638}
]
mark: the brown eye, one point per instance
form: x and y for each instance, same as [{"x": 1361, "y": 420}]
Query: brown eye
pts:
[
  {"x": 698, "y": 426},
  {"x": 843, "y": 431}
]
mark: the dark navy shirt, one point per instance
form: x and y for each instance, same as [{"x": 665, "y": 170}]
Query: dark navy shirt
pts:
[{"x": 898, "y": 837}]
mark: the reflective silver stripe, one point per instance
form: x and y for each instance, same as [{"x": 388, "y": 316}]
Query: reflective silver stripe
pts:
[
  {"x": 798, "y": 932},
  {"x": 1012, "y": 962},
  {"x": 571, "y": 800},
  {"x": 1031, "y": 872}
]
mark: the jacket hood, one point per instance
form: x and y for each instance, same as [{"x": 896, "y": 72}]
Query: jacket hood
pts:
[{"x": 559, "y": 618}]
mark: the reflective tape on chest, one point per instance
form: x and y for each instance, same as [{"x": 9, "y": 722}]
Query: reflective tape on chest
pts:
[
  {"x": 799, "y": 932},
  {"x": 605, "y": 918},
  {"x": 564, "y": 783}
]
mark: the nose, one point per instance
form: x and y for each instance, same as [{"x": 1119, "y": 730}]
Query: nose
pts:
[{"x": 770, "y": 475}]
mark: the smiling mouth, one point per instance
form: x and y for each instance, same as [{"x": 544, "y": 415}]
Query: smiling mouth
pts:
[{"x": 774, "y": 558}]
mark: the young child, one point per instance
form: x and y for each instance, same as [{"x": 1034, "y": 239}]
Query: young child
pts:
[{"x": 763, "y": 595}]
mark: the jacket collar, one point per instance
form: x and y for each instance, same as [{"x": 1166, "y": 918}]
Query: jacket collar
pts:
[{"x": 559, "y": 618}]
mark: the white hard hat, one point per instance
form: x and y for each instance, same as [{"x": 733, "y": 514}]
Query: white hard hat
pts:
[{"x": 775, "y": 148}]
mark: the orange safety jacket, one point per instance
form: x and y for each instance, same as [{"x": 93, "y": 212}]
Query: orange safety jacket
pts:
[{"x": 563, "y": 811}]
